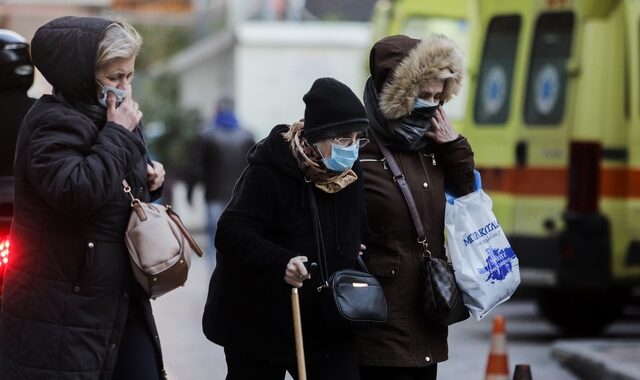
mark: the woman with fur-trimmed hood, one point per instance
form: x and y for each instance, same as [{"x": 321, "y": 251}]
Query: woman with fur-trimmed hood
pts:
[{"x": 410, "y": 80}]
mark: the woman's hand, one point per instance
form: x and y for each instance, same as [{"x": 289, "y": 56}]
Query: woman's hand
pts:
[
  {"x": 155, "y": 175},
  {"x": 362, "y": 249},
  {"x": 296, "y": 272},
  {"x": 128, "y": 115},
  {"x": 442, "y": 131}
]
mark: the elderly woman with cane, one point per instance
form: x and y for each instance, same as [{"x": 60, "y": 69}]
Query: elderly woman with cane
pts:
[{"x": 266, "y": 234}]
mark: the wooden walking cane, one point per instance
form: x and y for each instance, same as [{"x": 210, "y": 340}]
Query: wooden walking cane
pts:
[{"x": 297, "y": 332}]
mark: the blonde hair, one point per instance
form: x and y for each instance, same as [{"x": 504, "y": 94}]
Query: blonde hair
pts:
[{"x": 120, "y": 41}]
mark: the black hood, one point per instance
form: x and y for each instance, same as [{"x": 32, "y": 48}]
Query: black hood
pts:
[
  {"x": 274, "y": 152},
  {"x": 65, "y": 50}
]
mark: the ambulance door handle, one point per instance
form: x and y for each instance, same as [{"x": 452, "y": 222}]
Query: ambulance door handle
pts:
[{"x": 521, "y": 153}]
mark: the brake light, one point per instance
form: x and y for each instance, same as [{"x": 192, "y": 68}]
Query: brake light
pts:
[
  {"x": 4, "y": 251},
  {"x": 584, "y": 177}
]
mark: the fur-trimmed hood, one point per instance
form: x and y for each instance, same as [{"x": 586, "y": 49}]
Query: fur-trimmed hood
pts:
[{"x": 434, "y": 57}]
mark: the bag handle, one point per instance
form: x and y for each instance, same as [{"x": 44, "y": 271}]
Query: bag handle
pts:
[{"x": 401, "y": 181}]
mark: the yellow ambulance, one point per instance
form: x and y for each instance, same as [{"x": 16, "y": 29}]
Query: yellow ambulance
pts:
[{"x": 552, "y": 111}]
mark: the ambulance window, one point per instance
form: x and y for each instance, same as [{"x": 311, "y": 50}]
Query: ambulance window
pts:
[
  {"x": 496, "y": 70},
  {"x": 546, "y": 86},
  {"x": 455, "y": 28}
]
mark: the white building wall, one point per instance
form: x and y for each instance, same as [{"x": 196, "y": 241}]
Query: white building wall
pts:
[
  {"x": 276, "y": 64},
  {"x": 203, "y": 84}
]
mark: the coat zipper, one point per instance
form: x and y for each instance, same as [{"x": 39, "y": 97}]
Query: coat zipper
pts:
[
  {"x": 86, "y": 267},
  {"x": 383, "y": 161},
  {"x": 427, "y": 195},
  {"x": 433, "y": 158}
]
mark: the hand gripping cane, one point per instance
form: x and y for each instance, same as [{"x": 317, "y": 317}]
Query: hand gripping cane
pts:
[{"x": 297, "y": 332}]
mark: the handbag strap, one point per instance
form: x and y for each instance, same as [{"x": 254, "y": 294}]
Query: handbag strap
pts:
[
  {"x": 318, "y": 239},
  {"x": 401, "y": 181},
  {"x": 127, "y": 189},
  {"x": 319, "y": 242},
  {"x": 135, "y": 202}
]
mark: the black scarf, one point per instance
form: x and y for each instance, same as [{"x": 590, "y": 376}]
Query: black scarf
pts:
[{"x": 384, "y": 127}]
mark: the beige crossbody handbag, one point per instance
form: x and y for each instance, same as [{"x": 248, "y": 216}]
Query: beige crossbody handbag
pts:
[{"x": 160, "y": 247}]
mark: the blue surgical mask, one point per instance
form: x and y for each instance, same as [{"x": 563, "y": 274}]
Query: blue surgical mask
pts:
[
  {"x": 342, "y": 158},
  {"x": 120, "y": 95}
]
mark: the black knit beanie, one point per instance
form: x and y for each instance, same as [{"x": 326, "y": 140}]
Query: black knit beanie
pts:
[{"x": 332, "y": 110}]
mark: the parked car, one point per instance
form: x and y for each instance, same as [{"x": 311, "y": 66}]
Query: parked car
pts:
[{"x": 16, "y": 77}]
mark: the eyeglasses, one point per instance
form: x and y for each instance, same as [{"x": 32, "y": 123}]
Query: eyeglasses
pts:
[{"x": 347, "y": 141}]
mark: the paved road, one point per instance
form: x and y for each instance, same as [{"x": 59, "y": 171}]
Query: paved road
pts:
[
  {"x": 189, "y": 356},
  {"x": 529, "y": 341},
  {"x": 187, "y": 353}
]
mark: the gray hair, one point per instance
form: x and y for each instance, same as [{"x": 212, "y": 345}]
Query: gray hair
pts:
[{"x": 120, "y": 41}]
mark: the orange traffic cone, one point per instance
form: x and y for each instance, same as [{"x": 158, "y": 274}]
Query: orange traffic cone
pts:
[{"x": 497, "y": 365}]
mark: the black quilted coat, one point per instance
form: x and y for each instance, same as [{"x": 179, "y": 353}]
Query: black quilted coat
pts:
[{"x": 69, "y": 287}]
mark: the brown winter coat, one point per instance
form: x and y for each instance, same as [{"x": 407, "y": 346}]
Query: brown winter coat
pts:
[
  {"x": 399, "y": 67},
  {"x": 393, "y": 254}
]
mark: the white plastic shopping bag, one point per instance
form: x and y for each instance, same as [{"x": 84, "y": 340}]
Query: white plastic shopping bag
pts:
[{"x": 486, "y": 268}]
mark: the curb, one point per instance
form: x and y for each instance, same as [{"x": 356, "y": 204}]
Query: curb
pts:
[{"x": 600, "y": 359}]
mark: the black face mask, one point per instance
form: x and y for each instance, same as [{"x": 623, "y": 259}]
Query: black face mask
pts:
[
  {"x": 412, "y": 127},
  {"x": 420, "y": 118}
]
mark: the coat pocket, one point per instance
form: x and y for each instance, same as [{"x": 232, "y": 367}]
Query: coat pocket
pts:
[{"x": 384, "y": 264}]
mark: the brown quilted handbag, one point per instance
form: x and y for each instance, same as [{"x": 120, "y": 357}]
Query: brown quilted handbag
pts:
[{"x": 441, "y": 298}]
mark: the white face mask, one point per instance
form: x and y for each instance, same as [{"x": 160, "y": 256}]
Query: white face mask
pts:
[
  {"x": 423, "y": 103},
  {"x": 120, "y": 95}
]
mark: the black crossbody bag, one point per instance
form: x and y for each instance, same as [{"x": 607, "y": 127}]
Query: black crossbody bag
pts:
[{"x": 350, "y": 297}]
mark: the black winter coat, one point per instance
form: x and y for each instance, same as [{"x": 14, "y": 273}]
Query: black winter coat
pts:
[
  {"x": 267, "y": 222},
  {"x": 69, "y": 288}
]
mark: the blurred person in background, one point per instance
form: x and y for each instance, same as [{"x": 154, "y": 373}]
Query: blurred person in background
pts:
[
  {"x": 266, "y": 234},
  {"x": 410, "y": 80},
  {"x": 218, "y": 158},
  {"x": 71, "y": 306},
  {"x": 16, "y": 77}
]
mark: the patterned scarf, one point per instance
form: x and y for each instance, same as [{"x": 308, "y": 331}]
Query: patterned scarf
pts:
[{"x": 310, "y": 163}]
